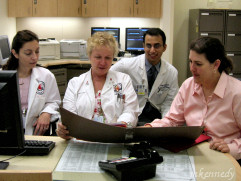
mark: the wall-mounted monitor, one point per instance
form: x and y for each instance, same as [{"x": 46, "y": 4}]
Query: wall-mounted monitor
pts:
[
  {"x": 114, "y": 31},
  {"x": 134, "y": 40},
  {"x": 4, "y": 49}
]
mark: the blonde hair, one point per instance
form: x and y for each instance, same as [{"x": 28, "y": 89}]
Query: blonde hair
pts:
[{"x": 102, "y": 39}]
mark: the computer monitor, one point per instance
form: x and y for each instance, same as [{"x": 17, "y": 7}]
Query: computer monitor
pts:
[
  {"x": 134, "y": 40},
  {"x": 11, "y": 125},
  {"x": 114, "y": 31},
  {"x": 4, "y": 49}
]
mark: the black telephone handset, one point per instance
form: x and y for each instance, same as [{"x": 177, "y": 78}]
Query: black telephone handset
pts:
[{"x": 140, "y": 165}]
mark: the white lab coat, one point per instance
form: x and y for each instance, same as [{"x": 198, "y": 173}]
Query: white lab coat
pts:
[
  {"x": 164, "y": 88},
  {"x": 43, "y": 96},
  {"x": 80, "y": 98}
]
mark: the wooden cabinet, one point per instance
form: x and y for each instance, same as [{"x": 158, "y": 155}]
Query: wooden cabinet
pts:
[
  {"x": 17, "y": 8},
  {"x": 85, "y": 8},
  {"x": 69, "y": 8},
  {"x": 28, "y": 8},
  {"x": 45, "y": 8},
  {"x": 94, "y": 8},
  {"x": 147, "y": 8},
  {"x": 123, "y": 8}
]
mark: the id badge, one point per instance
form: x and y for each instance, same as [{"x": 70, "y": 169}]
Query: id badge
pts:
[
  {"x": 140, "y": 90},
  {"x": 99, "y": 119}
]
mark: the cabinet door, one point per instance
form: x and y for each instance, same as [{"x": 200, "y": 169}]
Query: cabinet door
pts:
[
  {"x": 17, "y": 8},
  {"x": 45, "y": 8},
  {"x": 233, "y": 42},
  {"x": 218, "y": 35},
  {"x": 236, "y": 58},
  {"x": 123, "y": 8},
  {"x": 233, "y": 21},
  {"x": 94, "y": 8},
  {"x": 212, "y": 20},
  {"x": 69, "y": 8},
  {"x": 147, "y": 8}
]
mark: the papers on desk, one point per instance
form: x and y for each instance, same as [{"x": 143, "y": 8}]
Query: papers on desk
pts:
[
  {"x": 89, "y": 130},
  {"x": 83, "y": 157}
]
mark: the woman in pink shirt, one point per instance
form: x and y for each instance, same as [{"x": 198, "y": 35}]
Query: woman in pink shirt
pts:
[{"x": 210, "y": 98}]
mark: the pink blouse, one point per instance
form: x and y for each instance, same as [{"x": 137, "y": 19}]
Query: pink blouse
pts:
[
  {"x": 24, "y": 89},
  {"x": 220, "y": 114}
]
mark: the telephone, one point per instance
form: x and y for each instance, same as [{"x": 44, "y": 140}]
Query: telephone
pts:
[{"x": 140, "y": 165}]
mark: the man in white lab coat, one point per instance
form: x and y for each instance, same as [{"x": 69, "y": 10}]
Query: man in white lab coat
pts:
[{"x": 154, "y": 79}]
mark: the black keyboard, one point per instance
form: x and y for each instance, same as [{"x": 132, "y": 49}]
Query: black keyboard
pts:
[{"x": 37, "y": 147}]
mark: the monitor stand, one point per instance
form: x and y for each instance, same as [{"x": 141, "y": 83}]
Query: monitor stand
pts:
[{"x": 3, "y": 165}]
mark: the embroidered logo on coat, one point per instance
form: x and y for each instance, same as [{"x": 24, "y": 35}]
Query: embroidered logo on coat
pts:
[
  {"x": 41, "y": 87},
  {"x": 117, "y": 87}
]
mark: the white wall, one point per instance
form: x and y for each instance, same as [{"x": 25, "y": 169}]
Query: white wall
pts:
[
  {"x": 8, "y": 25},
  {"x": 166, "y": 24},
  {"x": 76, "y": 28}
]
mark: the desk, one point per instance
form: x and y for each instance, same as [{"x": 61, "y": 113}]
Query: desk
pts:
[
  {"x": 206, "y": 162},
  {"x": 48, "y": 63}
]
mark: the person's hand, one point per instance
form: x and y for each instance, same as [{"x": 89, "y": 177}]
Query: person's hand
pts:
[
  {"x": 219, "y": 145},
  {"x": 42, "y": 124},
  {"x": 145, "y": 126},
  {"x": 62, "y": 131}
]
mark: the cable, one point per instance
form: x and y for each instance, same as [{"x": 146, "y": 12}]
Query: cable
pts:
[{"x": 13, "y": 156}]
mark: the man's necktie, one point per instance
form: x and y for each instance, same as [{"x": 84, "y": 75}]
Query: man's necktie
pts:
[{"x": 151, "y": 76}]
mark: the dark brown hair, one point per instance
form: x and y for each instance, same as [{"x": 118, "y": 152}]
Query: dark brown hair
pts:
[
  {"x": 19, "y": 40},
  {"x": 213, "y": 49}
]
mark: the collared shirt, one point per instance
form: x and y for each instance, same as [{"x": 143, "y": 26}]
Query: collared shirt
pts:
[
  {"x": 220, "y": 114},
  {"x": 148, "y": 66}
]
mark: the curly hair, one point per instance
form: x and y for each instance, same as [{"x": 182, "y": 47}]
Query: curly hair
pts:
[{"x": 102, "y": 39}]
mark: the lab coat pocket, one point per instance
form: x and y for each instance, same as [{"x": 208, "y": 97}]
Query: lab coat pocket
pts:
[
  {"x": 119, "y": 106},
  {"x": 38, "y": 104}
]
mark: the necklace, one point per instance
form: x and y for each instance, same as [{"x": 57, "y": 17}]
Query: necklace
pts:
[
  {"x": 21, "y": 81},
  {"x": 24, "y": 89}
]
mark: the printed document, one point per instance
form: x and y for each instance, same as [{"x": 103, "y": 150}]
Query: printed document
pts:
[{"x": 81, "y": 156}]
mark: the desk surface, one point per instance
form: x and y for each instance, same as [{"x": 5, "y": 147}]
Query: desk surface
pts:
[
  {"x": 207, "y": 163},
  {"x": 47, "y": 63}
]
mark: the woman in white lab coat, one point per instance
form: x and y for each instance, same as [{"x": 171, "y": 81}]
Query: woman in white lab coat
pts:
[
  {"x": 100, "y": 94},
  {"x": 39, "y": 92}
]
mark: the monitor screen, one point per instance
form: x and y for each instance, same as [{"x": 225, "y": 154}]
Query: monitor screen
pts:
[
  {"x": 134, "y": 40},
  {"x": 4, "y": 49},
  {"x": 11, "y": 126},
  {"x": 114, "y": 31}
]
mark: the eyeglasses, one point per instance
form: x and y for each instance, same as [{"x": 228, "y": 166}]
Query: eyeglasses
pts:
[{"x": 155, "y": 46}]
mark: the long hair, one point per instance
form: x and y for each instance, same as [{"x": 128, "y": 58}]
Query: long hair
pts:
[
  {"x": 213, "y": 49},
  {"x": 19, "y": 40}
]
